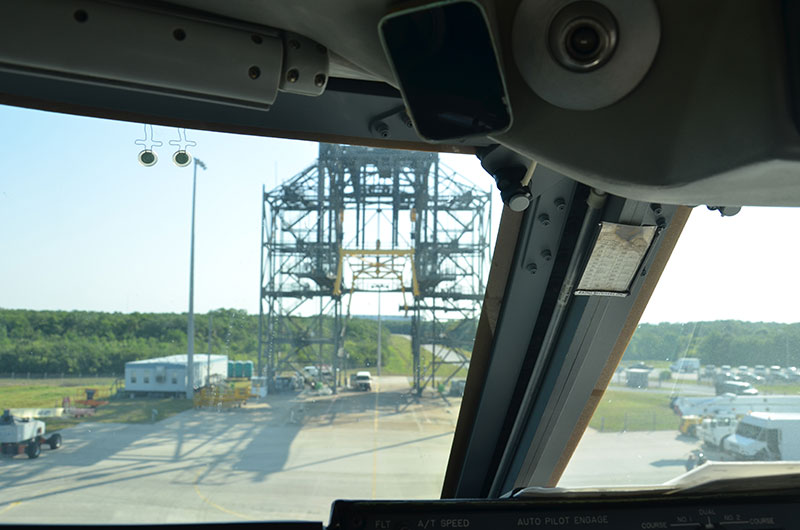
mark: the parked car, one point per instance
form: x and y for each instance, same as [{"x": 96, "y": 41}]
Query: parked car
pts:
[
  {"x": 750, "y": 377},
  {"x": 708, "y": 371},
  {"x": 726, "y": 376},
  {"x": 792, "y": 373},
  {"x": 779, "y": 377}
]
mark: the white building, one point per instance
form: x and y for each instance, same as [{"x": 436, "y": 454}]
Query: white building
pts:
[{"x": 168, "y": 375}]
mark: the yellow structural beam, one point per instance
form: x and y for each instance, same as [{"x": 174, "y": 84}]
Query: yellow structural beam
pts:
[
  {"x": 360, "y": 253},
  {"x": 376, "y": 252}
]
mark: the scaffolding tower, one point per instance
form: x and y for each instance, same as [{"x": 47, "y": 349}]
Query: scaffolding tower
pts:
[{"x": 364, "y": 219}]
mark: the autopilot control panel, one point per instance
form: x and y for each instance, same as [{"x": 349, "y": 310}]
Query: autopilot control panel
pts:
[{"x": 749, "y": 512}]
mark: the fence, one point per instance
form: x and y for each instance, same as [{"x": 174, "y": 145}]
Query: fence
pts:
[{"x": 51, "y": 375}]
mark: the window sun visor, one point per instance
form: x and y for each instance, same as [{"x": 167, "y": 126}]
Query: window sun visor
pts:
[{"x": 445, "y": 61}]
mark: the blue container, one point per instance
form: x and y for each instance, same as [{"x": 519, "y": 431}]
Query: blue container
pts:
[
  {"x": 248, "y": 369},
  {"x": 238, "y": 369},
  {"x": 230, "y": 369}
]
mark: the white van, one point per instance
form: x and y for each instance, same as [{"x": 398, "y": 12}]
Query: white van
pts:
[
  {"x": 687, "y": 364},
  {"x": 363, "y": 381}
]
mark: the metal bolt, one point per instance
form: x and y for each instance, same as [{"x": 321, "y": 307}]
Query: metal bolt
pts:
[
  {"x": 256, "y": 39},
  {"x": 547, "y": 255},
  {"x": 560, "y": 204},
  {"x": 656, "y": 208},
  {"x": 254, "y": 72},
  {"x": 319, "y": 80},
  {"x": 292, "y": 75},
  {"x": 381, "y": 129},
  {"x": 294, "y": 44},
  {"x": 404, "y": 117},
  {"x": 544, "y": 219},
  {"x": 661, "y": 222},
  {"x": 531, "y": 267}
]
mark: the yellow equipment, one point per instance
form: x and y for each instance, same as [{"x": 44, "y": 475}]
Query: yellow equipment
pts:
[
  {"x": 689, "y": 424},
  {"x": 222, "y": 396}
]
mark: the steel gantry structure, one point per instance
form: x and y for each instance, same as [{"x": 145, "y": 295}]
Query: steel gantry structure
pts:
[{"x": 362, "y": 215}]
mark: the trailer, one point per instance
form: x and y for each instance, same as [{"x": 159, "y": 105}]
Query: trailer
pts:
[
  {"x": 728, "y": 405},
  {"x": 24, "y": 435}
]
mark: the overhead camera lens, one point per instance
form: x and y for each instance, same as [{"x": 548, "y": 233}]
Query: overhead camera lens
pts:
[
  {"x": 583, "y": 42},
  {"x": 583, "y": 36}
]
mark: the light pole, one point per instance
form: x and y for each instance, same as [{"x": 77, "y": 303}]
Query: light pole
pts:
[
  {"x": 190, "y": 331},
  {"x": 379, "y": 329}
]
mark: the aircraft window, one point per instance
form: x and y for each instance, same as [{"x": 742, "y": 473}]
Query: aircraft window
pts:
[
  {"x": 388, "y": 256},
  {"x": 723, "y": 311}
]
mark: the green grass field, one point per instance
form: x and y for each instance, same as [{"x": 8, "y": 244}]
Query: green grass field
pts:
[
  {"x": 621, "y": 410},
  {"x": 22, "y": 393},
  {"x": 47, "y": 393},
  {"x": 401, "y": 361},
  {"x": 789, "y": 389}
]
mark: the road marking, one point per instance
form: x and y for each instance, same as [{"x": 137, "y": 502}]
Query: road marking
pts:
[
  {"x": 375, "y": 439},
  {"x": 215, "y": 505},
  {"x": 11, "y": 506}
]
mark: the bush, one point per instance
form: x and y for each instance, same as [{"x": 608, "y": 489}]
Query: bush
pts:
[{"x": 664, "y": 375}]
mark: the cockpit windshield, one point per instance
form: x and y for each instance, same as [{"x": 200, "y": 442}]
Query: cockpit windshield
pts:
[
  {"x": 719, "y": 341},
  {"x": 343, "y": 379}
]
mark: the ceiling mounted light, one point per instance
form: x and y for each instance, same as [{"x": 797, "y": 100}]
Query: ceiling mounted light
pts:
[{"x": 615, "y": 259}]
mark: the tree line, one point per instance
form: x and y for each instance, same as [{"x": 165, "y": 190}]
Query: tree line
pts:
[
  {"x": 88, "y": 343},
  {"x": 718, "y": 342},
  {"x": 82, "y": 342}
]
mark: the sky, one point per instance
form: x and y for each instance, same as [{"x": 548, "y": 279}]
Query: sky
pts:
[{"x": 83, "y": 226}]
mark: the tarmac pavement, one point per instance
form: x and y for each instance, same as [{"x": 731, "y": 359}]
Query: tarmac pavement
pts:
[{"x": 286, "y": 458}]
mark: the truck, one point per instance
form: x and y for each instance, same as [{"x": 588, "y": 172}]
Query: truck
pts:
[
  {"x": 713, "y": 431},
  {"x": 363, "y": 381},
  {"x": 24, "y": 435},
  {"x": 637, "y": 377},
  {"x": 765, "y": 436}
]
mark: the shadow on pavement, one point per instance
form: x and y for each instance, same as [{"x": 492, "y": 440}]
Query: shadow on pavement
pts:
[{"x": 205, "y": 446}]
